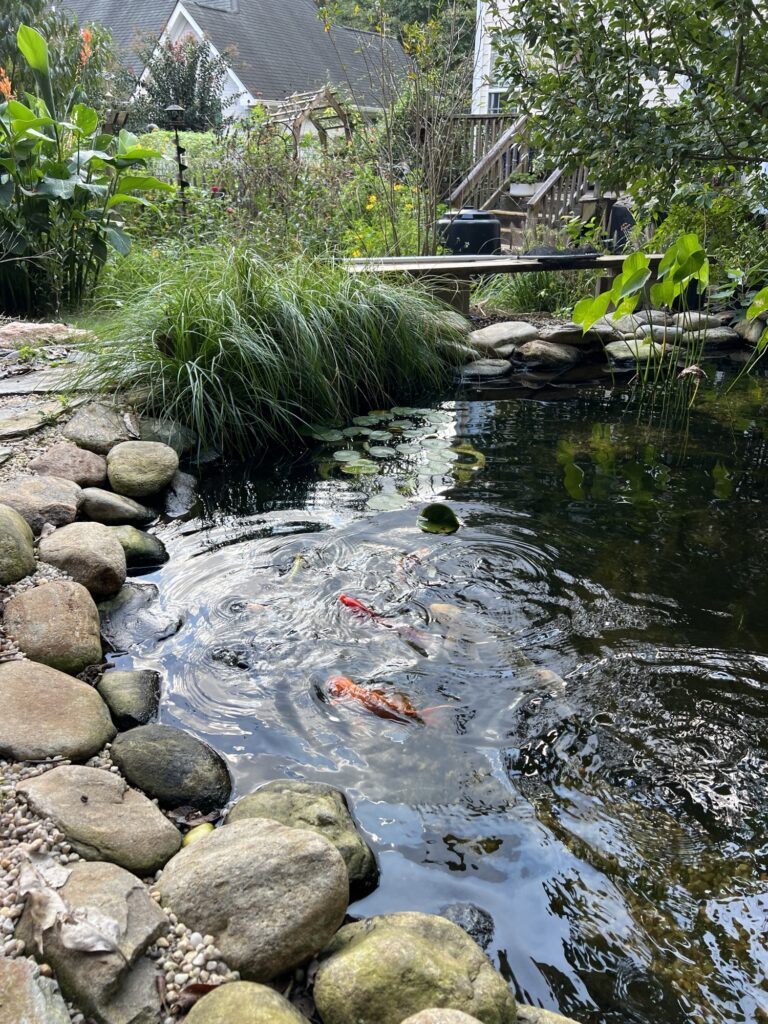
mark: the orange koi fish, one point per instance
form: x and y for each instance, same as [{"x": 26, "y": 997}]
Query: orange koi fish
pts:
[
  {"x": 394, "y": 706},
  {"x": 361, "y": 609}
]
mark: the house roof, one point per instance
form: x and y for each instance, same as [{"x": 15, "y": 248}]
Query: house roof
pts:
[{"x": 277, "y": 47}]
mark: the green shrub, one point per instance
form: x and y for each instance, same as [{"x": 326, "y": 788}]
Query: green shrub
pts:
[
  {"x": 62, "y": 187},
  {"x": 249, "y": 353},
  {"x": 547, "y": 291}
]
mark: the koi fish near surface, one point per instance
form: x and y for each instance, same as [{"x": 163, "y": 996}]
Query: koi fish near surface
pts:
[
  {"x": 394, "y": 706},
  {"x": 361, "y": 609}
]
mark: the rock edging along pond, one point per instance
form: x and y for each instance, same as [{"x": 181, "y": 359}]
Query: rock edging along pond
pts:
[{"x": 111, "y": 877}]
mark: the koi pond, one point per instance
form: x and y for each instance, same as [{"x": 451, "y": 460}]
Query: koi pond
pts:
[{"x": 593, "y": 641}]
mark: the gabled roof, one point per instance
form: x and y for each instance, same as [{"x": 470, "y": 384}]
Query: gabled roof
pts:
[{"x": 278, "y": 47}]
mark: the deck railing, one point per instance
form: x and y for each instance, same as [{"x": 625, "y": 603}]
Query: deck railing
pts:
[
  {"x": 557, "y": 197},
  {"x": 492, "y": 171}
]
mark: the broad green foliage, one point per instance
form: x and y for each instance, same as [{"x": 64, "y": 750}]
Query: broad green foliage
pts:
[
  {"x": 684, "y": 263},
  {"x": 248, "y": 351},
  {"x": 645, "y": 94},
  {"x": 759, "y": 307},
  {"x": 62, "y": 184},
  {"x": 188, "y": 74},
  {"x": 454, "y": 18}
]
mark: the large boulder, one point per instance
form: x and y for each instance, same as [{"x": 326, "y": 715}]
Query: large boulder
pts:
[
  {"x": 697, "y": 320},
  {"x": 17, "y": 557},
  {"x": 244, "y": 1002},
  {"x": 132, "y": 697},
  {"x": 43, "y": 499},
  {"x": 548, "y": 354},
  {"x": 750, "y": 331},
  {"x": 134, "y": 618},
  {"x": 486, "y": 369},
  {"x": 634, "y": 350},
  {"x": 56, "y": 624},
  {"x": 97, "y": 427},
  {"x": 89, "y": 553},
  {"x": 139, "y": 469},
  {"x": 174, "y": 767},
  {"x": 107, "y": 507},
  {"x": 535, "y": 1015},
  {"x": 141, "y": 549},
  {"x": 117, "y": 987},
  {"x": 28, "y": 998},
  {"x": 280, "y": 894},
  {"x": 102, "y": 818},
  {"x": 321, "y": 809},
  {"x": 380, "y": 970},
  {"x": 569, "y": 334},
  {"x": 714, "y": 337},
  {"x": 69, "y": 462},
  {"x": 49, "y": 714},
  {"x": 510, "y": 332}
]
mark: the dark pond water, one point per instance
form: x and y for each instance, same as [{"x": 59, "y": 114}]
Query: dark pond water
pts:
[{"x": 598, "y": 630}]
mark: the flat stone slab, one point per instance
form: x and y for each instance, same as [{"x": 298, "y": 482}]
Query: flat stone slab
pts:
[
  {"x": 487, "y": 369},
  {"x": 515, "y": 332},
  {"x": 22, "y": 422},
  {"x": 47, "y": 713},
  {"x": 39, "y": 382},
  {"x": 103, "y": 819},
  {"x": 28, "y": 998},
  {"x": 5, "y": 454}
]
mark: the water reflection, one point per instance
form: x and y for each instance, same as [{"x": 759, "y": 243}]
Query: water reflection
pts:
[{"x": 597, "y": 780}]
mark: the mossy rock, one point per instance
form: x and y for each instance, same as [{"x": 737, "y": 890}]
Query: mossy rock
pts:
[
  {"x": 244, "y": 1002},
  {"x": 382, "y": 970}
]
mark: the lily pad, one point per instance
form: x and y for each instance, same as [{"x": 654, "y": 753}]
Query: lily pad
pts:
[
  {"x": 347, "y": 455},
  {"x": 356, "y": 431},
  {"x": 408, "y": 449},
  {"x": 379, "y": 435},
  {"x": 360, "y": 468},
  {"x": 379, "y": 452},
  {"x": 381, "y": 414},
  {"x": 327, "y": 436},
  {"x": 438, "y": 518},
  {"x": 386, "y": 502},
  {"x": 401, "y": 424},
  {"x": 402, "y": 410},
  {"x": 365, "y": 421}
]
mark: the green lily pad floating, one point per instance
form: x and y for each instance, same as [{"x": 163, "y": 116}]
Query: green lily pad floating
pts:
[
  {"x": 360, "y": 468},
  {"x": 402, "y": 410},
  {"x": 386, "y": 502},
  {"x": 379, "y": 435},
  {"x": 435, "y": 442},
  {"x": 401, "y": 424},
  {"x": 379, "y": 452},
  {"x": 327, "y": 436},
  {"x": 408, "y": 449},
  {"x": 365, "y": 421},
  {"x": 356, "y": 431},
  {"x": 347, "y": 455},
  {"x": 438, "y": 518},
  {"x": 381, "y": 414}
]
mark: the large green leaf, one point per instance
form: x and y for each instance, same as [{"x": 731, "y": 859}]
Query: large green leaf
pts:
[
  {"x": 118, "y": 239},
  {"x": 116, "y": 200},
  {"x": 85, "y": 119},
  {"x": 589, "y": 310},
  {"x": 759, "y": 304},
  {"x": 58, "y": 188},
  {"x": 34, "y": 49},
  {"x": 143, "y": 183}
]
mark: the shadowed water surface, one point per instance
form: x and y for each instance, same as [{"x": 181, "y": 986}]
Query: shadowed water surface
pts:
[{"x": 596, "y": 638}]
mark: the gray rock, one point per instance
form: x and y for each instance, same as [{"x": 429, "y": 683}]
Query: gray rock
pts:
[
  {"x": 102, "y": 818},
  {"x": 17, "y": 557},
  {"x": 113, "y": 988},
  {"x": 97, "y": 427},
  {"x": 23, "y": 421},
  {"x": 280, "y": 894},
  {"x": 750, "y": 331},
  {"x": 486, "y": 369},
  {"x": 132, "y": 697},
  {"x": 134, "y": 618},
  {"x": 568, "y": 334},
  {"x": 173, "y": 766},
  {"x": 28, "y": 998},
  {"x": 475, "y": 921},
  {"x": 181, "y": 496},
  {"x": 546, "y": 353},
  {"x": 634, "y": 350},
  {"x": 651, "y": 316},
  {"x": 663, "y": 333},
  {"x": 712, "y": 336},
  {"x": 321, "y": 809},
  {"x": 695, "y": 320},
  {"x": 140, "y": 548},
  {"x": 43, "y": 499},
  {"x": 56, "y": 624},
  {"x": 442, "y": 1017},
  {"x": 535, "y": 1015},
  {"x": 244, "y": 1002},
  {"x": 625, "y": 324},
  {"x": 139, "y": 469},
  {"x": 89, "y": 553},
  {"x": 106, "y": 507},
  {"x": 381, "y": 970},
  {"x": 46, "y": 713},
  {"x": 5, "y": 455},
  {"x": 515, "y": 332},
  {"x": 66, "y": 460},
  {"x": 169, "y": 432}
]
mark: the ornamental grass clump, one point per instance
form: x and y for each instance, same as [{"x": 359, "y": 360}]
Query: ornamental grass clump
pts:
[{"x": 249, "y": 353}]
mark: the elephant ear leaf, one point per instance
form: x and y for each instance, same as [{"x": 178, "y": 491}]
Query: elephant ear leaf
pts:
[{"x": 34, "y": 49}]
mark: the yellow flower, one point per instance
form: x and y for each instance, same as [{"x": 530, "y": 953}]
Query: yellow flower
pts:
[
  {"x": 399, "y": 188},
  {"x": 372, "y": 200},
  {"x": 356, "y": 253},
  {"x": 408, "y": 207}
]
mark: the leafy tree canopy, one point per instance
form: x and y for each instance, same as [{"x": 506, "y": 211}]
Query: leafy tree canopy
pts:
[
  {"x": 456, "y": 17},
  {"x": 650, "y": 93}
]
